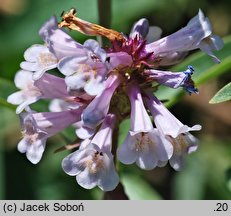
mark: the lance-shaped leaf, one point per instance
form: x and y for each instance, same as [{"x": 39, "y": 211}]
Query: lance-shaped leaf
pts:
[{"x": 222, "y": 95}]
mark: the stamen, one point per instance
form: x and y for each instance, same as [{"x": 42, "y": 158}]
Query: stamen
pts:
[
  {"x": 127, "y": 75},
  {"x": 143, "y": 142},
  {"x": 187, "y": 83},
  {"x": 179, "y": 143},
  {"x": 46, "y": 59}
]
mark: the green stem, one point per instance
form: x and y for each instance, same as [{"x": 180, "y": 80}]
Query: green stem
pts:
[
  {"x": 4, "y": 103},
  {"x": 105, "y": 17}
]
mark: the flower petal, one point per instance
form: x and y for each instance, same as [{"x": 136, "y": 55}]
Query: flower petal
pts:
[
  {"x": 23, "y": 78},
  {"x": 87, "y": 180},
  {"x": 35, "y": 151},
  {"x": 141, "y": 27},
  {"x": 85, "y": 132},
  {"x": 70, "y": 65},
  {"x": 125, "y": 153},
  {"x": 177, "y": 162},
  {"x": 33, "y": 52},
  {"x": 70, "y": 163},
  {"x": 22, "y": 146},
  {"x": 16, "y": 98}
]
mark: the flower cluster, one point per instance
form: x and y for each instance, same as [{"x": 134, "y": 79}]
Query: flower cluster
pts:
[{"x": 93, "y": 87}]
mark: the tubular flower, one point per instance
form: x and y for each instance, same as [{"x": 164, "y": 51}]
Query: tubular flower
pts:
[
  {"x": 37, "y": 127},
  {"x": 98, "y": 87},
  {"x": 48, "y": 87},
  {"x": 178, "y": 134},
  {"x": 143, "y": 144},
  {"x": 93, "y": 163}
]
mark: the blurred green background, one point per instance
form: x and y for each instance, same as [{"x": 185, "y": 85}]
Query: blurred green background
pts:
[{"x": 207, "y": 174}]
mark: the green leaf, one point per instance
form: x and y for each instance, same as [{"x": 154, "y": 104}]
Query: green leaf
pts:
[
  {"x": 137, "y": 188},
  {"x": 4, "y": 103},
  {"x": 205, "y": 69},
  {"x": 222, "y": 95}
]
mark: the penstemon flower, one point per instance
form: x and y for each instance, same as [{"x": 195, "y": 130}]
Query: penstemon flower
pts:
[
  {"x": 143, "y": 144},
  {"x": 37, "y": 127},
  {"x": 93, "y": 163},
  {"x": 94, "y": 90}
]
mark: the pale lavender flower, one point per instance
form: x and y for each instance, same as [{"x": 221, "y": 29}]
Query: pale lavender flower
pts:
[
  {"x": 41, "y": 58},
  {"x": 59, "y": 42},
  {"x": 49, "y": 87},
  {"x": 38, "y": 60},
  {"x": 37, "y": 127},
  {"x": 93, "y": 163},
  {"x": 173, "y": 80},
  {"x": 197, "y": 34},
  {"x": 177, "y": 133},
  {"x": 143, "y": 144},
  {"x": 98, "y": 108},
  {"x": 85, "y": 73},
  {"x": 28, "y": 93},
  {"x": 99, "y": 81}
]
